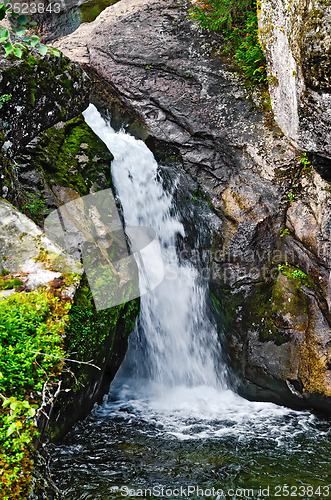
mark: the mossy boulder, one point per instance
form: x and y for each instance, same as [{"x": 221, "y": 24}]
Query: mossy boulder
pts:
[
  {"x": 61, "y": 164},
  {"x": 44, "y": 90}
]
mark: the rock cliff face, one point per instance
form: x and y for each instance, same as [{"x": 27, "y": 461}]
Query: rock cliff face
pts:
[
  {"x": 296, "y": 38},
  {"x": 270, "y": 260}
]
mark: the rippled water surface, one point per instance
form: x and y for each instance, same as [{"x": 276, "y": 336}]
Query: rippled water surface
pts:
[{"x": 191, "y": 437}]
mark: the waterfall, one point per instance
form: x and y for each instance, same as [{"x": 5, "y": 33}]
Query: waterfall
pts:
[
  {"x": 175, "y": 343},
  {"x": 170, "y": 420},
  {"x": 173, "y": 371}
]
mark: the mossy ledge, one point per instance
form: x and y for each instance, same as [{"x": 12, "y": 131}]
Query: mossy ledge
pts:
[{"x": 98, "y": 337}]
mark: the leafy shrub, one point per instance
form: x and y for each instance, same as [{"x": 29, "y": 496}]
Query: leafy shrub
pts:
[
  {"x": 19, "y": 26},
  {"x": 237, "y": 21},
  {"x": 30, "y": 323}
]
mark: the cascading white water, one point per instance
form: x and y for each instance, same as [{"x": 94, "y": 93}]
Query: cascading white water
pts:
[
  {"x": 172, "y": 372},
  {"x": 175, "y": 343}
]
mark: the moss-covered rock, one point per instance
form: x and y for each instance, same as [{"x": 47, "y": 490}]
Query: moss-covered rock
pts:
[
  {"x": 72, "y": 156},
  {"x": 97, "y": 338},
  {"x": 44, "y": 90}
]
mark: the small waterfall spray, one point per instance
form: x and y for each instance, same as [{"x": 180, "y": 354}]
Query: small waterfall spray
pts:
[{"x": 175, "y": 342}]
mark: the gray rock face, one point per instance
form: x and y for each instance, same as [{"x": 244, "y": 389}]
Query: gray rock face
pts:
[
  {"x": 22, "y": 244},
  {"x": 296, "y": 38},
  {"x": 270, "y": 260}
]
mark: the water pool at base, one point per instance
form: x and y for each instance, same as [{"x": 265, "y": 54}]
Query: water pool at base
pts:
[
  {"x": 197, "y": 438},
  {"x": 171, "y": 426}
]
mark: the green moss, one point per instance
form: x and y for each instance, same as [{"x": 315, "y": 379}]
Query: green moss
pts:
[
  {"x": 88, "y": 328},
  {"x": 258, "y": 314},
  {"x": 39, "y": 79},
  {"x": 73, "y": 156},
  {"x": 296, "y": 275},
  {"x": 97, "y": 337},
  {"x": 90, "y": 10},
  {"x": 8, "y": 284},
  {"x": 31, "y": 325}
]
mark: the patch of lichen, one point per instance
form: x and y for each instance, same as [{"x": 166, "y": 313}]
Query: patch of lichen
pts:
[
  {"x": 275, "y": 308},
  {"x": 73, "y": 156},
  {"x": 312, "y": 368},
  {"x": 57, "y": 262},
  {"x": 315, "y": 47}
]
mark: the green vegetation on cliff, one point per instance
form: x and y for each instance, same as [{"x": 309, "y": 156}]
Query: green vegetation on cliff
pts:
[
  {"x": 48, "y": 342},
  {"x": 31, "y": 337},
  {"x": 237, "y": 21}
]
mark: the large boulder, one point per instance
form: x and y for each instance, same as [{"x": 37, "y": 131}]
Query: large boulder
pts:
[
  {"x": 296, "y": 39},
  {"x": 270, "y": 260}
]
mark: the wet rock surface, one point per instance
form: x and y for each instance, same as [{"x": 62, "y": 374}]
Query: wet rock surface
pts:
[
  {"x": 270, "y": 260},
  {"x": 296, "y": 40}
]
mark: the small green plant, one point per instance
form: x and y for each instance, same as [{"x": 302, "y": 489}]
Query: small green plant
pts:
[
  {"x": 19, "y": 27},
  {"x": 304, "y": 159},
  {"x": 283, "y": 232},
  {"x": 305, "y": 163},
  {"x": 291, "y": 196},
  {"x": 4, "y": 98},
  {"x": 148, "y": 66}
]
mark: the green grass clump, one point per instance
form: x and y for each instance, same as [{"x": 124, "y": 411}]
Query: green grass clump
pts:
[
  {"x": 237, "y": 21},
  {"x": 8, "y": 284},
  {"x": 30, "y": 323}
]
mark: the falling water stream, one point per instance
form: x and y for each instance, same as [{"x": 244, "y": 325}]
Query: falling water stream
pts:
[{"x": 171, "y": 421}]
